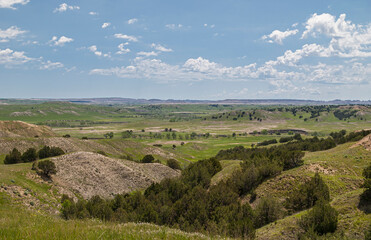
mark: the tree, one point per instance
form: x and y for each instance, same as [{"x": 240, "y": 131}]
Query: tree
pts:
[
  {"x": 322, "y": 218},
  {"x": 308, "y": 194},
  {"x": 174, "y": 164},
  {"x": 148, "y": 159},
  {"x": 30, "y": 155},
  {"x": 44, "y": 152},
  {"x": 108, "y": 135},
  {"x": 47, "y": 167},
  {"x": 13, "y": 157},
  {"x": 267, "y": 211}
]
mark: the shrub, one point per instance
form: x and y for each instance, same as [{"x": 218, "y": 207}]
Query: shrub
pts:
[
  {"x": 30, "y": 155},
  {"x": 47, "y": 167},
  {"x": 47, "y": 151},
  {"x": 322, "y": 218},
  {"x": 13, "y": 157},
  {"x": 365, "y": 198},
  {"x": 174, "y": 164},
  {"x": 148, "y": 159},
  {"x": 267, "y": 211},
  {"x": 308, "y": 194}
]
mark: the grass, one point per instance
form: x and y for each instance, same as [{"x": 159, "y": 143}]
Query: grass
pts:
[{"x": 19, "y": 223}]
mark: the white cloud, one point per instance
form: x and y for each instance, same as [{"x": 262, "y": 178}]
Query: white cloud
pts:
[
  {"x": 122, "y": 49},
  {"x": 126, "y": 37},
  {"x": 10, "y": 3},
  {"x": 278, "y": 36},
  {"x": 94, "y": 50},
  {"x": 48, "y": 65},
  {"x": 64, "y": 7},
  {"x": 106, "y": 24},
  {"x": 147, "y": 54},
  {"x": 10, "y": 33},
  {"x": 132, "y": 21},
  {"x": 174, "y": 26},
  {"x": 161, "y": 48},
  {"x": 9, "y": 57},
  {"x": 347, "y": 39},
  {"x": 93, "y": 13},
  {"x": 61, "y": 41},
  {"x": 290, "y": 58}
]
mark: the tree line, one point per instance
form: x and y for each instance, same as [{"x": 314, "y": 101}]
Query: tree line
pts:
[{"x": 30, "y": 155}]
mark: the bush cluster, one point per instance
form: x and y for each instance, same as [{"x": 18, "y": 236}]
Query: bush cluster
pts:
[
  {"x": 31, "y": 154},
  {"x": 187, "y": 202}
]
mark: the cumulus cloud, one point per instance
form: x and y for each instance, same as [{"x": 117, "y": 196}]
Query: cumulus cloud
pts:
[
  {"x": 161, "y": 48},
  {"x": 64, "y": 7},
  {"x": 93, "y": 13},
  {"x": 278, "y": 36},
  {"x": 61, "y": 41},
  {"x": 10, "y": 3},
  {"x": 126, "y": 37},
  {"x": 9, "y": 57},
  {"x": 106, "y": 24},
  {"x": 122, "y": 49},
  {"x": 10, "y": 33},
  {"x": 94, "y": 50},
  {"x": 132, "y": 21},
  {"x": 347, "y": 39}
]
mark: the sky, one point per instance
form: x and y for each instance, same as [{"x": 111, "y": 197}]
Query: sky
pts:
[{"x": 219, "y": 49}]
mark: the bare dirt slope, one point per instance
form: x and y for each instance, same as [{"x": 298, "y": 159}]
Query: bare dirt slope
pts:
[
  {"x": 365, "y": 142},
  {"x": 89, "y": 174},
  {"x": 10, "y": 129}
]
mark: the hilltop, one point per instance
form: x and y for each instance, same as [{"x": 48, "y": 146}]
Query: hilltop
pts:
[{"x": 11, "y": 129}]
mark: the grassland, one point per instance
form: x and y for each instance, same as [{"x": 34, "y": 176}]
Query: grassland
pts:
[{"x": 29, "y": 206}]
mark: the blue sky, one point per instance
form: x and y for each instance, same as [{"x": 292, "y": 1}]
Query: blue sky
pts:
[{"x": 185, "y": 50}]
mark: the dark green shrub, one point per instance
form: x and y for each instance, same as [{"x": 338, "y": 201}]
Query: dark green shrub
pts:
[
  {"x": 308, "y": 194},
  {"x": 322, "y": 218},
  {"x": 148, "y": 159},
  {"x": 174, "y": 164},
  {"x": 47, "y": 167},
  {"x": 30, "y": 155},
  {"x": 13, "y": 157},
  {"x": 267, "y": 211}
]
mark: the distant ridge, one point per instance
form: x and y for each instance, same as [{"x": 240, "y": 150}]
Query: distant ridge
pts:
[{"x": 132, "y": 101}]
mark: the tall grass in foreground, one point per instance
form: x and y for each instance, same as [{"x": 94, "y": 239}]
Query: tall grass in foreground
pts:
[{"x": 18, "y": 223}]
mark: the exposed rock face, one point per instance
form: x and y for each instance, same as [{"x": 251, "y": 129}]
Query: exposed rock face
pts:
[{"x": 89, "y": 174}]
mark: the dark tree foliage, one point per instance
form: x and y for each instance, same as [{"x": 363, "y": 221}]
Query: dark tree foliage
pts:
[
  {"x": 267, "y": 142},
  {"x": 286, "y": 139},
  {"x": 13, "y": 157},
  {"x": 147, "y": 159},
  {"x": 29, "y": 155},
  {"x": 47, "y": 167},
  {"x": 365, "y": 198},
  {"x": 185, "y": 202},
  {"x": 267, "y": 211},
  {"x": 174, "y": 164},
  {"x": 307, "y": 194},
  {"x": 47, "y": 151},
  {"x": 321, "y": 219}
]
